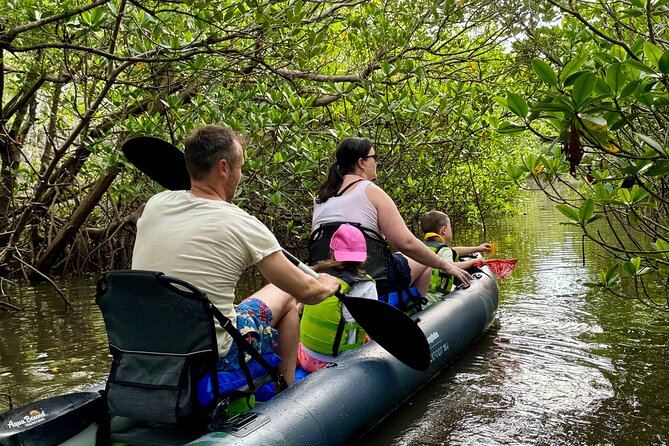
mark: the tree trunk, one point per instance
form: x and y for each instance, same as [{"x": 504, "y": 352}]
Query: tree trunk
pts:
[{"x": 78, "y": 218}]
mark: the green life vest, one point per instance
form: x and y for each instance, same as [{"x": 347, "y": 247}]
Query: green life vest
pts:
[
  {"x": 323, "y": 326},
  {"x": 440, "y": 282}
]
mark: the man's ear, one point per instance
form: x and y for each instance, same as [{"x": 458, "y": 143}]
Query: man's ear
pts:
[{"x": 223, "y": 166}]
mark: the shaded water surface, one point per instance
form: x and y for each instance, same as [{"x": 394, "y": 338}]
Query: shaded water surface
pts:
[{"x": 562, "y": 365}]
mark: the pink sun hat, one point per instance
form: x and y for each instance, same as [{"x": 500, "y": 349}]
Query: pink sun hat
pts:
[{"x": 348, "y": 244}]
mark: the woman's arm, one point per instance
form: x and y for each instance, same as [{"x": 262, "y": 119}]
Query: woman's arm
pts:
[
  {"x": 395, "y": 230},
  {"x": 392, "y": 226}
]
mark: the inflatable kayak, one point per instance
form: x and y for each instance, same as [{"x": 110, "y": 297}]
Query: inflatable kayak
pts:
[{"x": 333, "y": 406}]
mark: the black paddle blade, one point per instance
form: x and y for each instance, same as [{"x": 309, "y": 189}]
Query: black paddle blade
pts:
[
  {"x": 393, "y": 330},
  {"x": 159, "y": 160}
]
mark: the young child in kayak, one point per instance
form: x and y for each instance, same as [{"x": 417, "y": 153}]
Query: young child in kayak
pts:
[
  {"x": 327, "y": 329},
  {"x": 438, "y": 234}
]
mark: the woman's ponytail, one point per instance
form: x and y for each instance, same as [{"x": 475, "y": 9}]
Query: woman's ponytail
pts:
[
  {"x": 349, "y": 151},
  {"x": 331, "y": 185}
]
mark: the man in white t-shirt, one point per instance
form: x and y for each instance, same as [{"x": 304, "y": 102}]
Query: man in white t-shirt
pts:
[{"x": 198, "y": 236}]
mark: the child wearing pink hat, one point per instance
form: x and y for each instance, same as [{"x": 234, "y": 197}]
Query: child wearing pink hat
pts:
[{"x": 327, "y": 329}]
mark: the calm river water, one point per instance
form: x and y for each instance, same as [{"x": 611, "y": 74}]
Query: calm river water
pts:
[{"x": 562, "y": 365}]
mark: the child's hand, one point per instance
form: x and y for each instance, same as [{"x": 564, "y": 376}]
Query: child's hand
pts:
[{"x": 485, "y": 247}]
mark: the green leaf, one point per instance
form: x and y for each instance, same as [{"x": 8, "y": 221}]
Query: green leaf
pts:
[
  {"x": 571, "y": 67},
  {"x": 583, "y": 87},
  {"x": 663, "y": 63},
  {"x": 545, "y": 72},
  {"x": 629, "y": 89},
  {"x": 501, "y": 101},
  {"x": 659, "y": 169},
  {"x": 661, "y": 245},
  {"x": 639, "y": 3},
  {"x": 530, "y": 162},
  {"x": 569, "y": 81},
  {"x": 629, "y": 268},
  {"x": 603, "y": 192},
  {"x": 297, "y": 9},
  {"x": 509, "y": 127},
  {"x": 568, "y": 211},
  {"x": 517, "y": 104},
  {"x": 594, "y": 218},
  {"x": 639, "y": 66},
  {"x": 638, "y": 194},
  {"x": 616, "y": 76},
  {"x": 551, "y": 107},
  {"x": 651, "y": 142},
  {"x": 653, "y": 53},
  {"x": 602, "y": 88},
  {"x": 611, "y": 277},
  {"x": 586, "y": 210},
  {"x": 514, "y": 172},
  {"x": 276, "y": 198}
]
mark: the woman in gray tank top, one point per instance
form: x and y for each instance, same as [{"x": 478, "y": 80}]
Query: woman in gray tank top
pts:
[{"x": 348, "y": 195}]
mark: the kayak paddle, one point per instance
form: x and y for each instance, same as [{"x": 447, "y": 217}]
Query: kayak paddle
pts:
[
  {"x": 159, "y": 160},
  {"x": 393, "y": 330}
]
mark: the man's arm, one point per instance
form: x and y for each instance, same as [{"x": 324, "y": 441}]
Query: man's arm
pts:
[{"x": 278, "y": 270}]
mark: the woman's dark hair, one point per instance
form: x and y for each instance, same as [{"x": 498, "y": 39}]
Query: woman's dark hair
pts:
[{"x": 349, "y": 151}]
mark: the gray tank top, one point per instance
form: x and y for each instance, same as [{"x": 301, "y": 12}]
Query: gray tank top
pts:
[{"x": 352, "y": 207}]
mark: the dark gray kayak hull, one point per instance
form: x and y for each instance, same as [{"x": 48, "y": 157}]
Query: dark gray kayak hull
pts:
[{"x": 341, "y": 402}]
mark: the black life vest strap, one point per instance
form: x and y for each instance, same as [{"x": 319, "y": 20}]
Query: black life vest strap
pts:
[
  {"x": 350, "y": 279},
  {"x": 340, "y": 193},
  {"x": 439, "y": 246},
  {"x": 338, "y": 336}
]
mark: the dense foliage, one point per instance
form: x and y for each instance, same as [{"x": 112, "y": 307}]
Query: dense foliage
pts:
[
  {"x": 599, "y": 100},
  {"x": 78, "y": 78},
  {"x": 458, "y": 96}
]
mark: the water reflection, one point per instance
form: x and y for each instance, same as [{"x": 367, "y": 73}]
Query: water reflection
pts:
[{"x": 47, "y": 350}]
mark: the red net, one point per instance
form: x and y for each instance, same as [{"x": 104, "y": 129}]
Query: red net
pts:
[{"x": 502, "y": 268}]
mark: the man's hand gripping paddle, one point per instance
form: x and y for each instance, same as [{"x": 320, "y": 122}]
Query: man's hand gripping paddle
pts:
[{"x": 393, "y": 330}]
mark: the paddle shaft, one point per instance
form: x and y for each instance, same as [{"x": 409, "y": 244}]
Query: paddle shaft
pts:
[{"x": 297, "y": 262}]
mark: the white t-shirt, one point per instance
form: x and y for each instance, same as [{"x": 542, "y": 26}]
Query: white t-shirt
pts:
[{"x": 206, "y": 242}]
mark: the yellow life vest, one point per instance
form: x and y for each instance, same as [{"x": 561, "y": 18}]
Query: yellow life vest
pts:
[
  {"x": 323, "y": 326},
  {"x": 440, "y": 282}
]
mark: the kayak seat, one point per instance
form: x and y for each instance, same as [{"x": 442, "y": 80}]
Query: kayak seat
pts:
[
  {"x": 164, "y": 381},
  {"x": 379, "y": 256},
  {"x": 401, "y": 298},
  {"x": 380, "y": 260}
]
